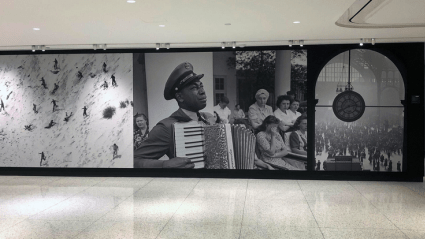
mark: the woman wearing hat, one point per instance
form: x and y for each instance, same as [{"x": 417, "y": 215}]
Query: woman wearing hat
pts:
[{"x": 259, "y": 110}]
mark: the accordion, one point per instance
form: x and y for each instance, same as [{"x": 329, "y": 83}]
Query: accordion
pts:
[{"x": 221, "y": 146}]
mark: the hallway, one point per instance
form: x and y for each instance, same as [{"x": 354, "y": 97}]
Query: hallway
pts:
[{"x": 90, "y": 207}]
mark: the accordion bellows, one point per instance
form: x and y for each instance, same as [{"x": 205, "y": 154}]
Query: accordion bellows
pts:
[
  {"x": 219, "y": 153},
  {"x": 220, "y": 146}
]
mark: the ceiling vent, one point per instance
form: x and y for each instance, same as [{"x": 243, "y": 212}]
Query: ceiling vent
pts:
[{"x": 384, "y": 14}]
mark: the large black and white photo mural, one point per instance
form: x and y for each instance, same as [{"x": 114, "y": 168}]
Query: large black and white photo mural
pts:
[
  {"x": 359, "y": 115},
  {"x": 222, "y": 110},
  {"x": 67, "y": 110}
]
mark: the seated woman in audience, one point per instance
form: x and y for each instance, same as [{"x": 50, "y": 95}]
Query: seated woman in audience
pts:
[
  {"x": 237, "y": 115},
  {"x": 217, "y": 119},
  {"x": 298, "y": 138},
  {"x": 282, "y": 104},
  {"x": 259, "y": 110},
  {"x": 213, "y": 119},
  {"x": 141, "y": 130},
  {"x": 271, "y": 146},
  {"x": 293, "y": 113}
]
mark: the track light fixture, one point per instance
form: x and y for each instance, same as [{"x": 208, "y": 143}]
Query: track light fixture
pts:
[
  {"x": 224, "y": 45},
  {"x": 231, "y": 44}
]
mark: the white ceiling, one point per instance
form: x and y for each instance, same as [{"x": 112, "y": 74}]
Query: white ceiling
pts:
[{"x": 70, "y": 24}]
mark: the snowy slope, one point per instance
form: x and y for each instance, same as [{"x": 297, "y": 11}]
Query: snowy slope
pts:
[{"x": 81, "y": 142}]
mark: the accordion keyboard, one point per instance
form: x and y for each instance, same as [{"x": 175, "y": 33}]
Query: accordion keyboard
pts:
[{"x": 189, "y": 142}]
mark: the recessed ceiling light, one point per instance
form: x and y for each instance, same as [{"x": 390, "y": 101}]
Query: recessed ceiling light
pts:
[
  {"x": 297, "y": 22},
  {"x": 36, "y": 29},
  {"x": 131, "y": 1},
  {"x": 161, "y": 25},
  {"x": 228, "y": 24}
]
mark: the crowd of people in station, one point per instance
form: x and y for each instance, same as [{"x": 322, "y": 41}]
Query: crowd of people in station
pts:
[{"x": 367, "y": 140}]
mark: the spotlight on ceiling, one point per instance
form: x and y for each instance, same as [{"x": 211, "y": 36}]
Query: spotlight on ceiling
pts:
[
  {"x": 104, "y": 47},
  {"x": 373, "y": 41},
  {"x": 33, "y": 48},
  {"x": 131, "y": 1},
  {"x": 157, "y": 46},
  {"x": 43, "y": 48},
  {"x": 301, "y": 43},
  {"x": 95, "y": 47},
  {"x": 234, "y": 45},
  {"x": 290, "y": 43},
  {"x": 361, "y": 41},
  {"x": 223, "y": 45},
  {"x": 167, "y": 45}
]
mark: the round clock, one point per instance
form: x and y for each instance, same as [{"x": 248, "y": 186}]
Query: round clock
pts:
[{"x": 348, "y": 106}]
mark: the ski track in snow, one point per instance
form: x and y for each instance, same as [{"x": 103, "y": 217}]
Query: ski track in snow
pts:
[{"x": 80, "y": 142}]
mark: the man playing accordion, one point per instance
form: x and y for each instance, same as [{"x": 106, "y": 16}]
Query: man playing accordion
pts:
[{"x": 185, "y": 87}]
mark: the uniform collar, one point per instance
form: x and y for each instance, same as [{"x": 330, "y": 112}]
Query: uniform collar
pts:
[
  {"x": 190, "y": 114},
  {"x": 180, "y": 115}
]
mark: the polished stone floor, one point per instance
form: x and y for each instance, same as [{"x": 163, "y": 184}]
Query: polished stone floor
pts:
[{"x": 75, "y": 207}]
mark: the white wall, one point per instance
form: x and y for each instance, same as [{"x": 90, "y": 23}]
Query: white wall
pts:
[
  {"x": 221, "y": 69},
  {"x": 159, "y": 67}
]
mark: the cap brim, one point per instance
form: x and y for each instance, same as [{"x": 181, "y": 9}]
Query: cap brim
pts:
[
  {"x": 169, "y": 90},
  {"x": 191, "y": 79}
]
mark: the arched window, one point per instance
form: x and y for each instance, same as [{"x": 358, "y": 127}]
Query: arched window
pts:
[
  {"x": 380, "y": 128},
  {"x": 338, "y": 72},
  {"x": 390, "y": 80}
]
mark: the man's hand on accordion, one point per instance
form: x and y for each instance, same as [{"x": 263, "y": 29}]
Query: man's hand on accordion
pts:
[{"x": 178, "y": 162}]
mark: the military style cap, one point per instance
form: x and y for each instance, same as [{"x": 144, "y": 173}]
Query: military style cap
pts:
[{"x": 180, "y": 77}]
